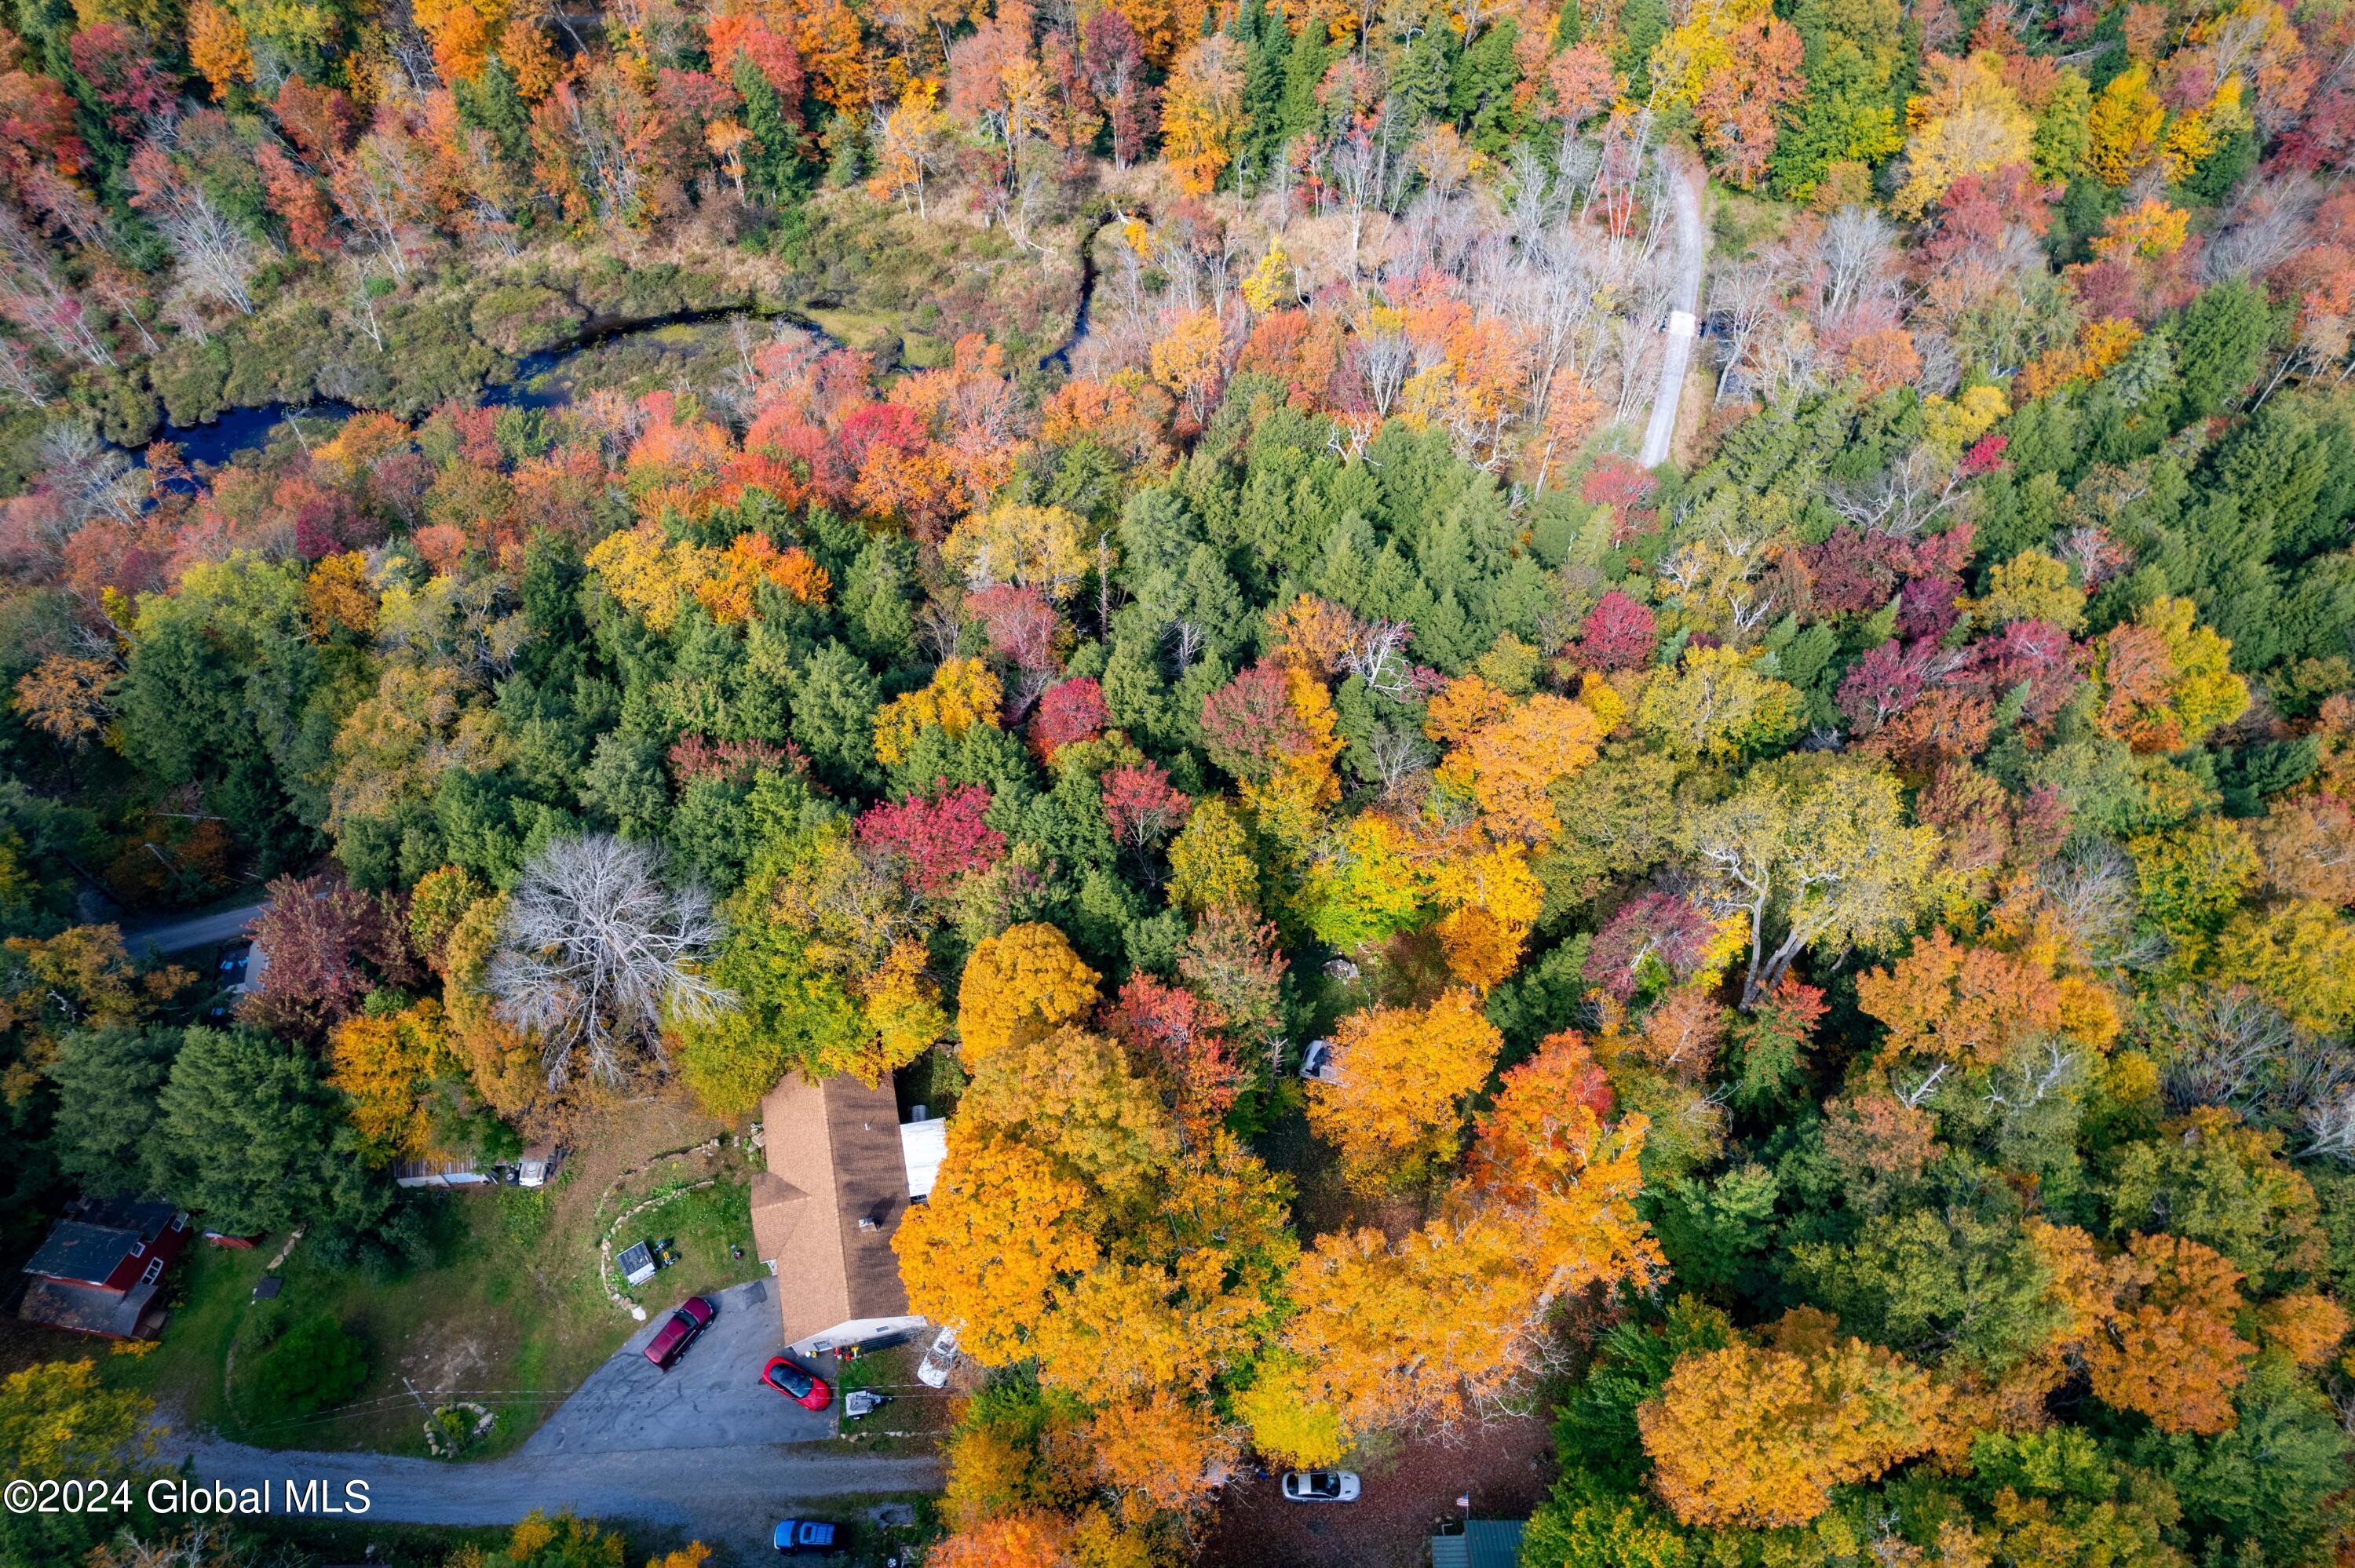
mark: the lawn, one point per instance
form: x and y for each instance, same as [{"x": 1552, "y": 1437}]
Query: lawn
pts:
[
  {"x": 510, "y": 1316},
  {"x": 918, "y": 1418}
]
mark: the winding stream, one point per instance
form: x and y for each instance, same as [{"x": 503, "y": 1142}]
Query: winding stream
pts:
[
  {"x": 1061, "y": 359},
  {"x": 538, "y": 381}
]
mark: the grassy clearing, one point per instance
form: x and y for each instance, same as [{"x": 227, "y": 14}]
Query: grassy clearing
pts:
[
  {"x": 870, "y": 331},
  {"x": 511, "y": 1315},
  {"x": 916, "y": 1420}
]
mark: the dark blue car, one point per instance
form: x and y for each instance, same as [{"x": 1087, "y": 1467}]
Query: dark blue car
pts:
[{"x": 793, "y": 1535}]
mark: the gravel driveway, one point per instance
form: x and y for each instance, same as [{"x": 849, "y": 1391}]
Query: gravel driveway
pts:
[
  {"x": 1500, "y": 1464},
  {"x": 1684, "y": 302},
  {"x": 712, "y": 1397}
]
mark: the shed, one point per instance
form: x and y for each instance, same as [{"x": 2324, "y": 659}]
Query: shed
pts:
[
  {"x": 637, "y": 1264},
  {"x": 439, "y": 1174},
  {"x": 1479, "y": 1544}
]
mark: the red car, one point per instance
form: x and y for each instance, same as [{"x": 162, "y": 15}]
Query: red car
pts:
[
  {"x": 694, "y": 1315},
  {"x": 797, "y": 1383}
]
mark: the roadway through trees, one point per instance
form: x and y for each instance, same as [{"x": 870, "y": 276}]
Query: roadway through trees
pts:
[{"x": 1692, "y": 254}]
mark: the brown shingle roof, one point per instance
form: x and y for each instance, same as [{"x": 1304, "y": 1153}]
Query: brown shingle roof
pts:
[
  {"x": 834, "y": 1159},
  {"x": 132, "y": 1315}
]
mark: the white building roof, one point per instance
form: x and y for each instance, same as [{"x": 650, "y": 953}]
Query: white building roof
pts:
[{"x": 923, "y": 1144}]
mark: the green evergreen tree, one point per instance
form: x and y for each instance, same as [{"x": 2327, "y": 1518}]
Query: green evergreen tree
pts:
[
  {"x": 2220, "y": 344},
  {"x": 491, "y": 103},
  {"x": 1481, "y": 95},
  {"x": 773, "y": 164},
  {"x": 1310, "y": 56},
  {"x": 835, "y": 698},
  {"x": 1853, "y": 109},
  {"x": 1422, "y": 73},
  {"x": 107, "y": 1081},
  {"x": 1264, "y": 75},
  {"x": 1642, "y": 25},
  {"x": 246, "y": 1132}
]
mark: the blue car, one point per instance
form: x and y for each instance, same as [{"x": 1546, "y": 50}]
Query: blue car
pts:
[{"x": 797, "y": 1535}]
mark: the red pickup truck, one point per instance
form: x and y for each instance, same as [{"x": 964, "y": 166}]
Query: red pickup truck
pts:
[{"x": 694, "y": 1315}]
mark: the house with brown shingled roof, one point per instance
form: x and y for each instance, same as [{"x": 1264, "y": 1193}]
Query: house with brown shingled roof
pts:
[{"x": 825, "y": 1211}]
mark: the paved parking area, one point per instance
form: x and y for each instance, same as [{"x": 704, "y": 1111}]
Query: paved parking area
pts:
[{"x": 712, "y": 1397}]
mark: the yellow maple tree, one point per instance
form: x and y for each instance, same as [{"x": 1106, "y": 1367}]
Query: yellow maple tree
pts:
[
  {"x": 1508, "y": 764},
  {"x": 987, "y": 1249},
  {"x": 901, "y": 1002},
  {"x": 1402, "y": 1075},
  {"x": 2123, "y": 127},
  {"x": 1492, "y": 901},
  {"x": 1028, "y": 546},
  {"x": 387, "y": 1064},
  {"x": 1755, "y": 1435},
  {"x": 1202, "y": 114},
  {"x": 1020, "y": 985},
  {"x": 64, "y": 697},
  {"x": 1966, "y": 120},
  {"x": 963, "y": 692},
  {"x": 1210, "y": 862}
]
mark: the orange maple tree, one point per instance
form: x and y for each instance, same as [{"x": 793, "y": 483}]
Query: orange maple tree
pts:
[
  {"x": 987, "y": 1249},
  {"x": 1756, "y": 1434},
  {"x": 1402, "y": 1075},
  {"x": 2172, "y": 1352}
]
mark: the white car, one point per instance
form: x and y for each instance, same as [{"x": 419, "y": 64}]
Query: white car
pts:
[
  {"x": 1317, "y": 1062},
  {"x": 940, "y": 1361},
  {"x": 1320, "y": 1486}
]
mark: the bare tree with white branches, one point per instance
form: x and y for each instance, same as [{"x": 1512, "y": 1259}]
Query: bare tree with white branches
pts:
[
  {"x": 2219, "y": 1045},
  {"x": 217, "y": 260},
  {"x": 596, "y": 952},
  {"x": 1857, "y": 252},
  {"x": 21, "y": 375}
]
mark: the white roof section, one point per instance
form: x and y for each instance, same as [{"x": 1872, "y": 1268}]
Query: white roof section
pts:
[{"x": 924, "y": 1145}]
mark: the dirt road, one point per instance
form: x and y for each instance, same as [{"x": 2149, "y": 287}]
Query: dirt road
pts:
[
  {"x": 1683, "y": 324},
  {"x": 197, "y": 931}
]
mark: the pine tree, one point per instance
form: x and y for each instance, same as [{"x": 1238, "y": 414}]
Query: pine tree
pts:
[
  {"x": 490, "y": 102},
  {"x": 1642, "y": 25},
  {"x": 1311, "y": 54},
  {"x": 1421, "y": 74},
  {"x": 775, "y": 163},
  {"x": 1481, "y": 96},
  {"x": 1264, "y": 88}
]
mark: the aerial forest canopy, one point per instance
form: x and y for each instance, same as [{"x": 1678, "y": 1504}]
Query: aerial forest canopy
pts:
[{"x": 1829, "y": 951}]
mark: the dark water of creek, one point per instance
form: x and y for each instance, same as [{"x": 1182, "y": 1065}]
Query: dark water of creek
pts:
[{"x": 537, "y": 382}]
